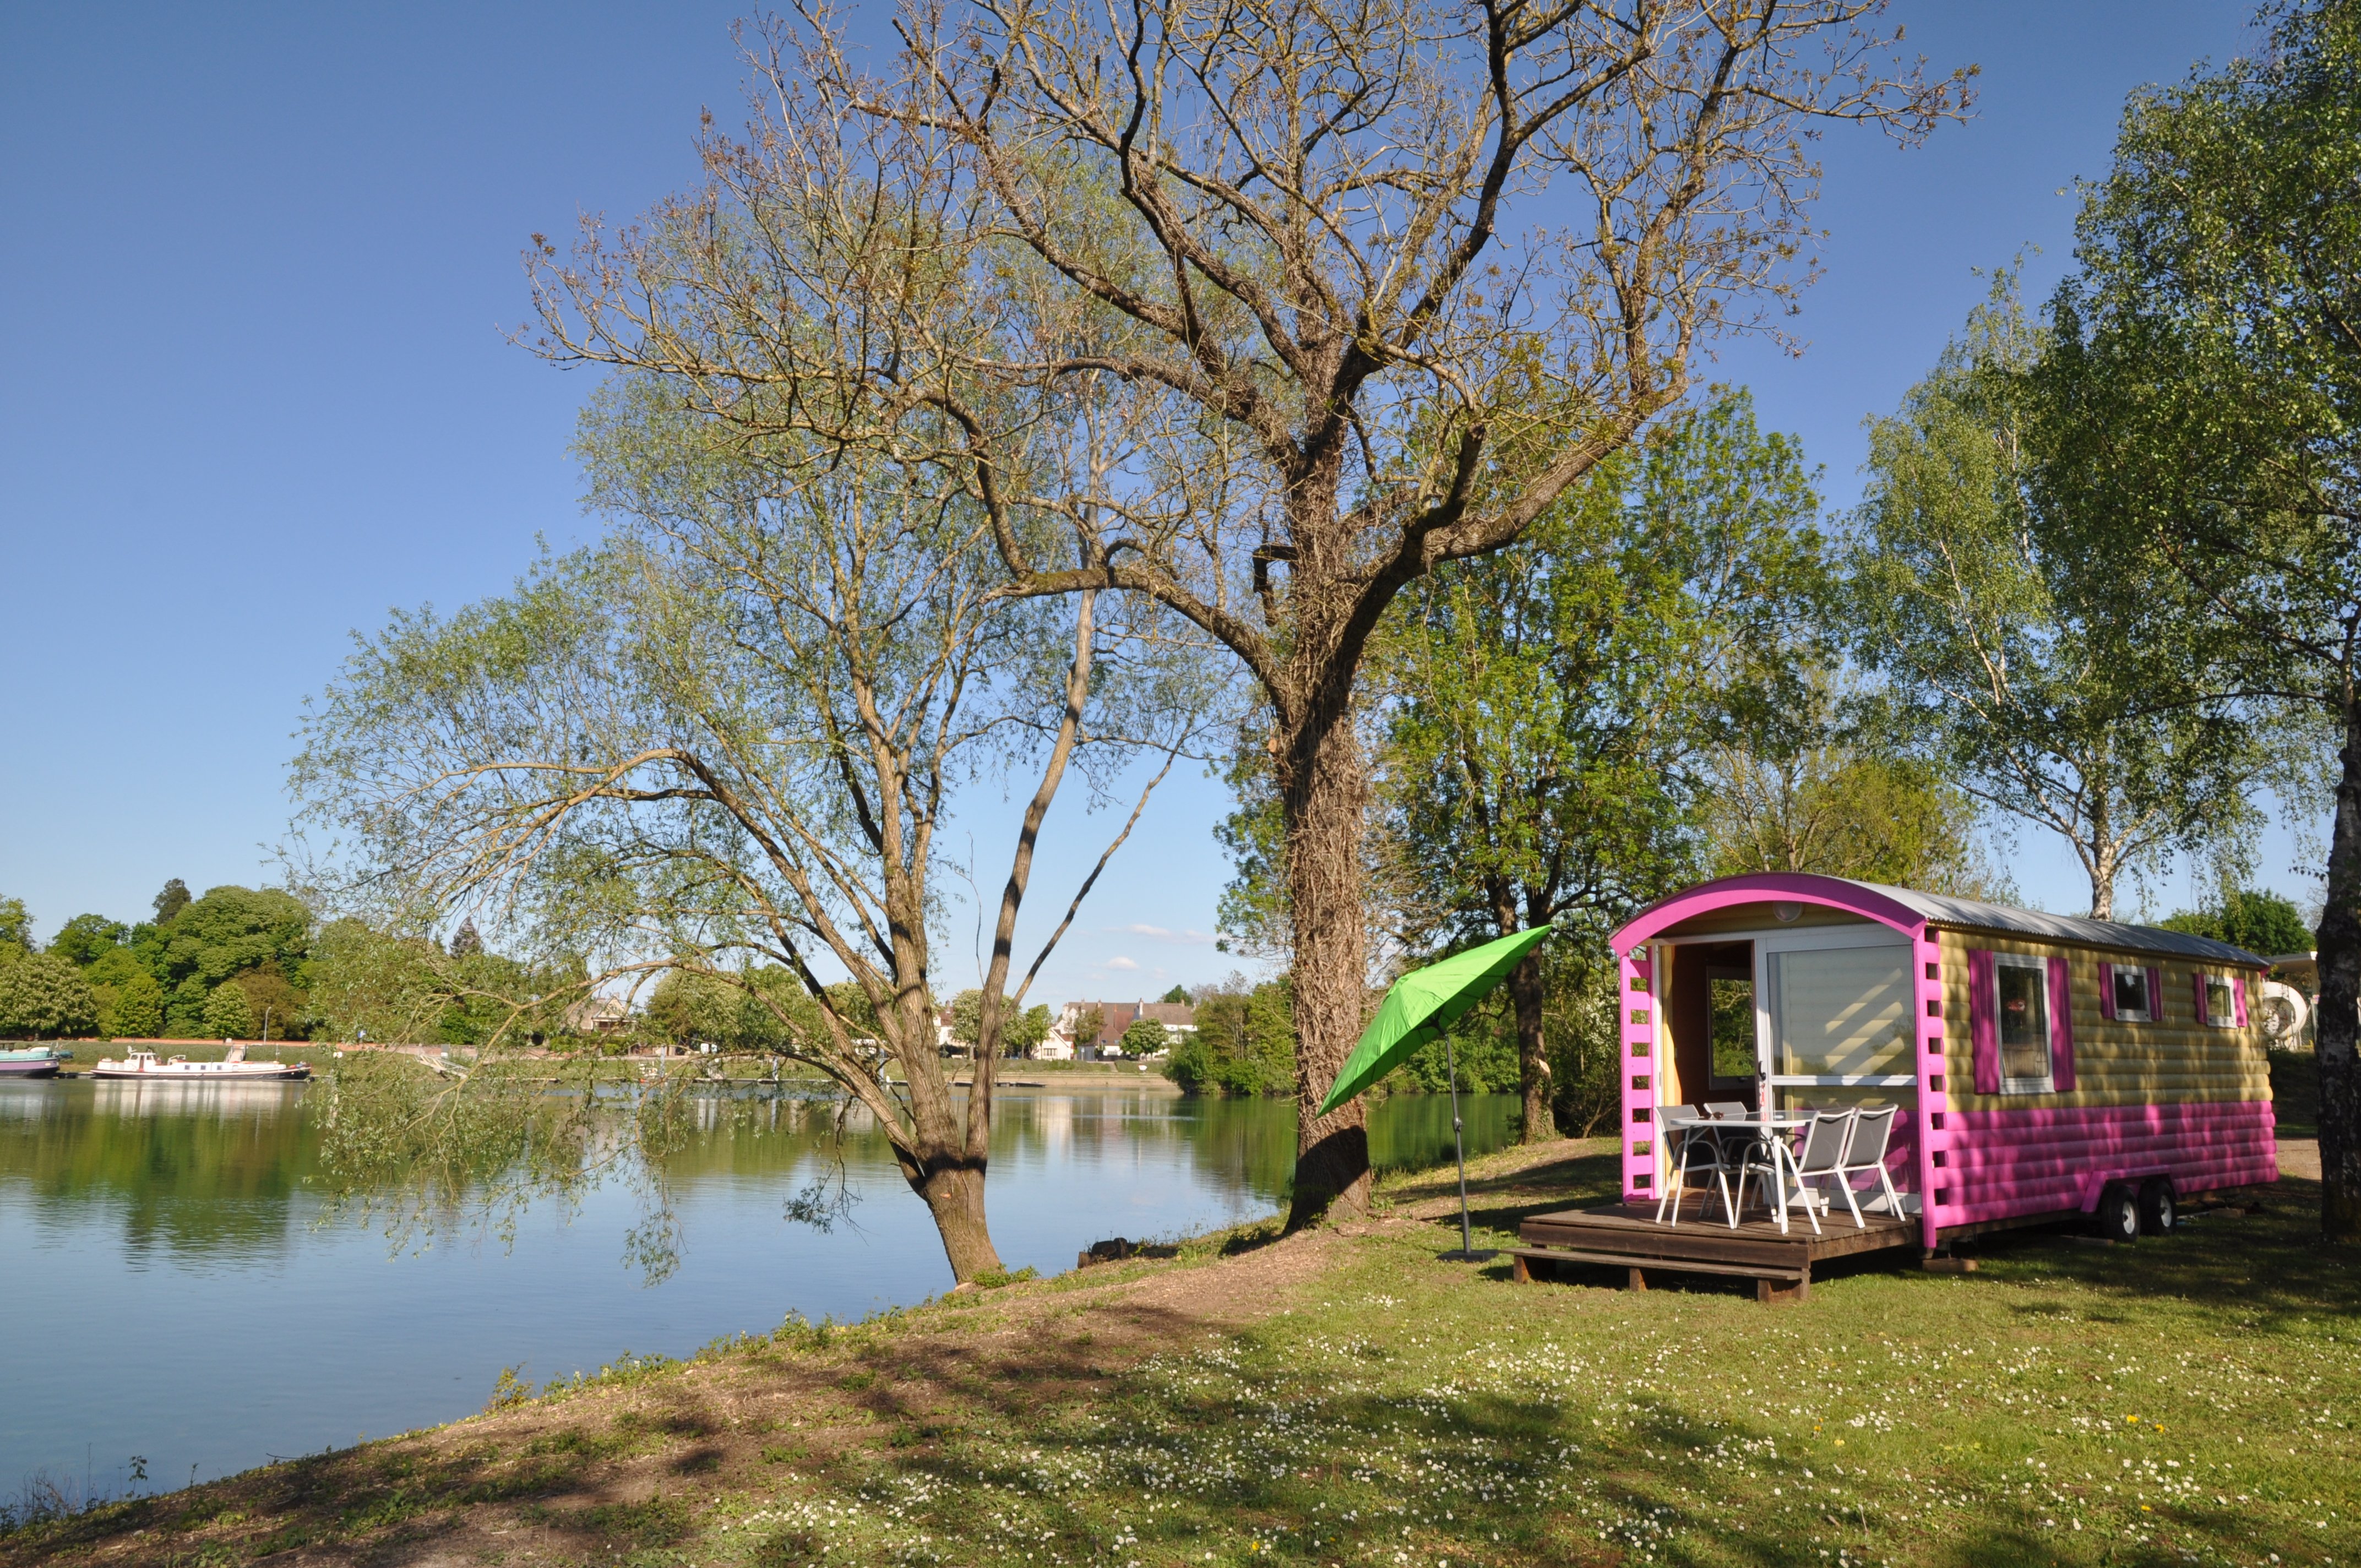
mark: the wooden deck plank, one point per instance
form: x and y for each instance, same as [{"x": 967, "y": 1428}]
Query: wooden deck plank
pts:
[{"x": 1629, "y": 1232}]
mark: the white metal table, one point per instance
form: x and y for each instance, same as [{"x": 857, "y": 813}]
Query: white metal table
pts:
[{"x": 1772, "y": 1125}]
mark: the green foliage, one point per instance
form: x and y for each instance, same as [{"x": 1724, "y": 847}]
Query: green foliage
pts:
[
  {"x": 42, "y": 997},
  {"x": 1179, "y": 993},
  {"x": 85, "y": 938},
  {"x": 1550, "y": 697},
  {"x": 229, "y": 1014},
  {"x": 135, "y": 1010},
  {"x": 15, "y": 929},
  {"x": 1817, "y": 785},
  {"x": 764, "y": 1010},
  {"x": 2257, "y": 919},
  {"x": 2000, "y": 675},
  {"x": 172, "y": 901},
  {"x": 1243, "y": 1043},
  {"x": 1145, "y": 1037},
  {"x": 1022, "y": 1034},
  {"x": 366, "y": 984}
]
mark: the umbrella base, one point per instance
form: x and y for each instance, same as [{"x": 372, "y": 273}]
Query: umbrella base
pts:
[{"x": 1458, "y": 1255}]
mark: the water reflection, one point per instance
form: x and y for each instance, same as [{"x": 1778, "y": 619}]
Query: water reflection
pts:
[
  {"x": 205, "y": 1169},
  {"x": 174, "y": 1210}
]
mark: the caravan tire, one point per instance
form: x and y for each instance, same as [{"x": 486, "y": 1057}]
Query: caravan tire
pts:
[
  {"x": 2159, "y": 1206},
  {"x": 2118, "y": 1215}
]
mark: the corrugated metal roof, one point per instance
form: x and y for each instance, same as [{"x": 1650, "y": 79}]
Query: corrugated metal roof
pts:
[{"x": 1967, "y": 912}]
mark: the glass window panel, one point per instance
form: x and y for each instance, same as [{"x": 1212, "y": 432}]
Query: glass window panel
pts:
[
  {"x": 1842, "y": 1012},
  {"x": 2024, "y": 1022},
  {"x": 2131, "y": 994},
  {"x": 2221, "y": 1008},
  {"x": 1732, "y": 999}
]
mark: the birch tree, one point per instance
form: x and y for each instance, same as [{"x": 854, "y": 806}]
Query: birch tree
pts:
[
  {"x": 2036, "y": 706},
  {"x": 2205, "y": 388}
]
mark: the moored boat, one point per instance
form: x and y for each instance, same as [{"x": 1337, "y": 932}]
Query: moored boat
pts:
[
  {"x": 32, "y": 1061},
  {"x": 232, "y": 1068}
]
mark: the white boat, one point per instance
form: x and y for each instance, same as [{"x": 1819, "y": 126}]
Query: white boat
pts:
[{"x": 233, "y": 1069}]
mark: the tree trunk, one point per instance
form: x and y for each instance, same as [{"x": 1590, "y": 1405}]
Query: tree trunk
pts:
[
  {"x": 1532, "y": 1066},
  {"x": 2339, "y": 941},
  {"x": 1324, "y": 791},
  {"x": 954, "y": 1195}
]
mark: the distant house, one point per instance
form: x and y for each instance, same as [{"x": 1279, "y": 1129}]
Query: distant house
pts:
[
  {"x": 599, "y": 1015},
  {"x": 1178, "y": 1019}
]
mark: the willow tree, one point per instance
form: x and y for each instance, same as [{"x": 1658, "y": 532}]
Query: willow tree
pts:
[
  {"x": 1545, "y": 705},
  {"x": 723, "y": 743},
  {"x": 1318, "y": 250},
  {"x": 2205, "y": 389},
  {"x": 2034, "y": 704}
]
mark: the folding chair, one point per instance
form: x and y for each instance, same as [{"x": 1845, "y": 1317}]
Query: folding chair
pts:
[
  {"x": 1865, "y": 1151},
  {"x": 1822, "y": 1155},
  {"x": 1688, "y": 1139}
]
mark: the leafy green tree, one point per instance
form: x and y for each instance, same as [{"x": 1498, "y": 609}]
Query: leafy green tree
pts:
[
  {"x": 1813, "y": 783},
  {"x": 229, "y": 1014},
  {"x": 2205, "y": 392},
  {"x": 84, "y": 939},
  {"x": 1548, "y": 701},
  {"x": 1243, "y": 1043},
  {"x": 16, "y": 930},
  {"x": 1145, "y": 1037},
  {"x": 1179, "y": 993},
  {"x": 1022, "y": 1034},
  {"x": 135, "y": 1010},
  {"x": 2033, "y": 706},
  {"x": 42, "y": 997},
  {"x": 2261, "y": 921},
  {"x": 172, "y": 901}
]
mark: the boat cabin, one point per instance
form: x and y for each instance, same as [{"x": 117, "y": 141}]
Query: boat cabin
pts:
[{"x": 2037, "y": 1060}]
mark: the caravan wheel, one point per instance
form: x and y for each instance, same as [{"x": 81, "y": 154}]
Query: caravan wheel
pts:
[
  {"x": 2118, "y": 1216},
  {"x": 2160, "y": 1208}
]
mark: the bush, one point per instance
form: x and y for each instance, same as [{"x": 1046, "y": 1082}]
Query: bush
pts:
[{"x": 42, "y": 997}]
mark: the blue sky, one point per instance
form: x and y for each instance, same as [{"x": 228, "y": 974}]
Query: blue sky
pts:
[{"x": 260, "y": 260}]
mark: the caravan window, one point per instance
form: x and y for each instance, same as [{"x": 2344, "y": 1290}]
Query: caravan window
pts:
[
  {"x": 2220, "y": 1003},
  {"x": 2022, "y": 984},
  {"x": 2133, "y": 1004}
]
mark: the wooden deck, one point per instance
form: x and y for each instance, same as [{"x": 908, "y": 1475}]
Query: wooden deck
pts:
[{"x": 1626, "y": 1235}]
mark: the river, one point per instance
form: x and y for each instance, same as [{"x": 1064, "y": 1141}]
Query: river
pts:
[{"x": 171, "y": 1289}]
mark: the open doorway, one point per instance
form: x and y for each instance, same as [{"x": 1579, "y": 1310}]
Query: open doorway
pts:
[{"x": 1709, "y": 1004}]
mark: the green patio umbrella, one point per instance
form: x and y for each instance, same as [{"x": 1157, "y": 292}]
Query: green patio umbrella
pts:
[{"x": 1419, "y": 1006}]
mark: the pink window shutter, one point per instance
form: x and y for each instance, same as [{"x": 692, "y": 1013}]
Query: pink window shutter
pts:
[
  {"x": 2197, "y": 980},
  {"x": 2061, "y": 1027},
  {"x": 2238, "y": 996},
  {"x": 1983, "y": 1029},
  {"x": 2155, "y": 996},
  {"x": 2107, "y": 991}
]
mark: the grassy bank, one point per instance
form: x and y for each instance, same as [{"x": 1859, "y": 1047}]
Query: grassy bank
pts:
[{"x": 1344, "y": 1397}]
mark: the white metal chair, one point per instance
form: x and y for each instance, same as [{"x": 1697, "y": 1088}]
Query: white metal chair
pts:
[
  {"x": 1688, "y": 1143},
  {"x": 1864, "y": 1151},
  {"x": 1821, "y": 1155}
]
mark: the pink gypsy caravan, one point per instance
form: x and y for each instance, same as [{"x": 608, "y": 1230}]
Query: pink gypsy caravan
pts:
[{"x": 1988, "y": 1067}]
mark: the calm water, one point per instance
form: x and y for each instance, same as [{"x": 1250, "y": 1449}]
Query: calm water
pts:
[{"x": 169, "y": 1292}]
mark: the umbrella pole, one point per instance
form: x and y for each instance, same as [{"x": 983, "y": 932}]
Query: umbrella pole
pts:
[{"x": 1458, "y": 1143}]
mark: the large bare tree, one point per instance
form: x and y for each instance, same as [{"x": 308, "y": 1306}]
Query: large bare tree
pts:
[{"x": 1343, "y": 269}]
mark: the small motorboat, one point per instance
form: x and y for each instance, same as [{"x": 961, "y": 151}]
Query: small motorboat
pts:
[
  {"x": 32, "y": 1061},
  {"x": 233, "y": 1069}
]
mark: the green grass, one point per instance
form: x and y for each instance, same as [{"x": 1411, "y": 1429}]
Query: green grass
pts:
[{"x": 2188, "y": 1399}]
